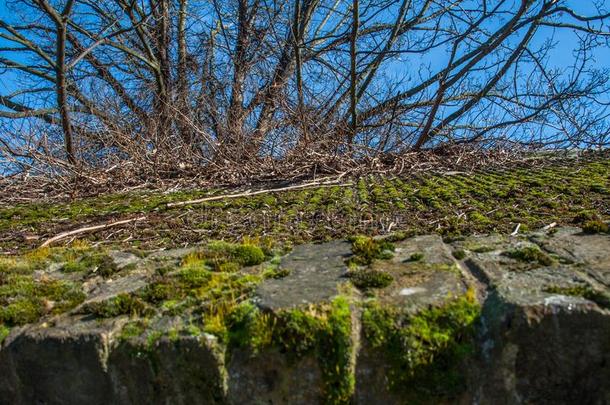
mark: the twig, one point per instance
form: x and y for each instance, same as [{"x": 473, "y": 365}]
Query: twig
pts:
[
  {"x": 549, "y": 226},
  {"x": 88, "y": 229},
  {"x": 516, "y": 230},
  {"x": 252, "y": 193}
]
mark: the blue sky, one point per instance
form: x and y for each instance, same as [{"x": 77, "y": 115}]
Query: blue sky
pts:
[{"x": 560, "y": 57}]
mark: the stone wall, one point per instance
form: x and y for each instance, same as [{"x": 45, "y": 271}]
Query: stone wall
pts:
[{"x": 485, "y": 320}]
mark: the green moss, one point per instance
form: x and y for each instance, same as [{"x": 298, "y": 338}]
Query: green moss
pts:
[
  {"x": 22, "y": 311},
  {"x": 366, "y": 249},
  {"x": 4, "y": 332},
  {"x": 276, "y": 273},
  {"x": 193, "y": 330},
  {"x": 25, "y": 300},
  {"x": 152, "y": 338},
  {"x": 36, "y": 259},
  {"x": 459, "y": 254},
  {"x": 248, "y": 255},
  {"x": 194, "y": 275},
  {"x": 227, "y": 257},
  {"x": 478, "y": 218},
  {"x": 482, "y": 249},
  {"x": 424, "y": 351},
  {"x": 585, "y": 216},
  {"x": 335, "y": 352},
  {"x": 427, "y": 203},
  {"x": 92, "y": 263},
  {"x": 324, "y": 331},
  {"x": 367, "y": 278},
  {"x": 595, "y": 226},
  {"x": 133, "y": 329},
  {"x": 122, "y": 304},
  {"x": 530, "y": 254}
]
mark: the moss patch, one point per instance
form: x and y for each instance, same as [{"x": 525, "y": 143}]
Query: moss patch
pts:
[
  {"x": 122, "y": 304},
  {"x": 366, "y": 249},
  {"x": 4, "y": 331},
  {"x": 93, "y": 263},
  {"x": 585, "y": 215},
  {"x": 459, "y": 254},
  {"x": 482, "y": 202},
  {"x": 530, "y": 254},
  {"x": 223, "y": 256},
  {"x": 323, "y": 330},
  {"x": 365, "y": 279},
  {"x": 425, "y": 350},
  {"x": 24, "y": 299},
  {"x": 595, "y": 226}
]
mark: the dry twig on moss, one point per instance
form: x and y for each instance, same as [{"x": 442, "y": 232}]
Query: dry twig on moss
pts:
[
  {"x": 87, "y": 229},
  {"x": 252, "y": 193}
]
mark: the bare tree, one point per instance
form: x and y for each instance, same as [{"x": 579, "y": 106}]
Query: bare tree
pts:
[{"x": 166, "y": 83}]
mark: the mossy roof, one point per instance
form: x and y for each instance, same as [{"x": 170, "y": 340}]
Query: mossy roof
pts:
[{"x": 449, "y": 204}]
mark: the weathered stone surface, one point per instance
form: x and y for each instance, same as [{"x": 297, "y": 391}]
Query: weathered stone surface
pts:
[
  {"x": 64, "y": 363},
  {"x": 590, "y": 252},
  {"x": 423, "y": 282},
  {"x": 272, "y": 377},
  {"x": 102, "y": 290},
  {"x": 543, "y": 336},
  {"x": 429, "y": 281},
  {"x": 316, "y": 271},
  {"x": 184, "y": 370},
  {"x": 539, "y": 345},
  {"x": 123, "y": 259}
]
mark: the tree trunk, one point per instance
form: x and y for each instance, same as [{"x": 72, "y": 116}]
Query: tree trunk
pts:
[
  {"x": 353, "y": 74},
  {"x": 62, "y": 94}
]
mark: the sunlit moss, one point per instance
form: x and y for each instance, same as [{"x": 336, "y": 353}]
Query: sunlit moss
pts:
[
  {"x": 24, "y": 299},
  {"x": 122, "y": 304},
  {"x": 4, "y": 332},
  {"x": 530, "y": 254},
  {"x": 595, "y": 226},
  {"x": 365, "y": 279},
  {"x": 324, "y": 331},
  {"x": 424, "y": 350},
  {"x": 366, "y": 249}
]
